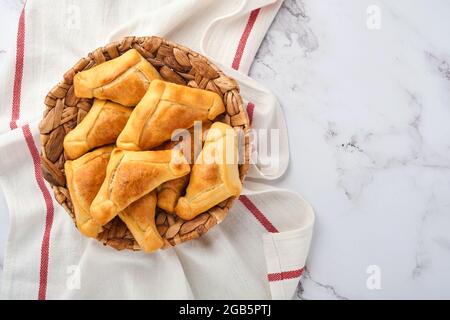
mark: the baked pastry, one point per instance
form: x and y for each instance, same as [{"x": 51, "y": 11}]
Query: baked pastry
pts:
[
  {"x": 169, "y": 192},
  {"x": 130, "y": 175},
  {"x": 124, "y": 79},
  {"x": 215, "y": 174},
  {"x": 85, "y": 175},
  {"x": 164, "y": 108},
  {"x": 101, "y": 126},
  {"x": 140, "y": 220}
]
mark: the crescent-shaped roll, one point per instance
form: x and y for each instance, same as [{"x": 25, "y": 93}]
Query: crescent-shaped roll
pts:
[
  {"x": 101, "y": 126},
  {"x": 132, "y": 174},
  {"x": 165, "y": 108},
  {"x": 84, "y": 176},
  {"x": 169, "y": 192},
  {"x": 140, "y": 220},
  {"x": 214, "y": 176},
  {"x": 124, "y": 79}
]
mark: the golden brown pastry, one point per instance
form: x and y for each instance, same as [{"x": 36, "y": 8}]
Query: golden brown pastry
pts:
[
  {"x": 124, "y": 79},
  {"x": 140, "y": 220},
  {"x": 102, "y": 125},
  {"x": 169, "y": 192},
  {"x": 130, "y": 175},
  {"x": 84, "y": 176},
  {"x": 215, "y": 174},
  {"x": 164, "y": 108}
]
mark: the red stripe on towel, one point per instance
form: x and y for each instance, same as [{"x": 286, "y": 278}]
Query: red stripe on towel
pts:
[
  {"x": 285, "y": 275},
  {"x": 244, "y": 37},
  {"x": 250, "y": 109},
  {"x": 258, "y": 214},
  {"x": 20, "y": 50},
  {"x": 43, "y": 272},
  {"x": 15, "y": 115}
]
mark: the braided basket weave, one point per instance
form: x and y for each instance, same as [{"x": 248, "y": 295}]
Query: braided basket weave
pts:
[{"x": 176, "y": 64}]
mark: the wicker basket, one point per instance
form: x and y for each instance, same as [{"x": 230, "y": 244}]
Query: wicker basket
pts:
[{"x": 176, "y": 64}]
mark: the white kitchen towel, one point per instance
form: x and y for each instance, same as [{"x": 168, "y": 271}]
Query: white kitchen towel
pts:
[{"x": 259, "y": 251}]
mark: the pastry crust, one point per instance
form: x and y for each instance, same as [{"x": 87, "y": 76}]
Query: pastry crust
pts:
[
  {"x": 164, "y": 108},
  {"x": 140, "y": 220},
  {"x": 124, "y": 79},
  {"x": 84, "y": 176},
  {"x": 169, "y": 192},
  {"x": 101, "y": 126},
  {"x": 215, "y": 174},
  {"x": 130, "y": 175}
]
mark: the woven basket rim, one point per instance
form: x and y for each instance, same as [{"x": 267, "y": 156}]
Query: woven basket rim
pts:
[{"x": 176, "y": 63}]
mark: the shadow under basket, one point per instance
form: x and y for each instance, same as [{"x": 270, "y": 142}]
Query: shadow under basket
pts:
[{"x": 175, "y": 63}]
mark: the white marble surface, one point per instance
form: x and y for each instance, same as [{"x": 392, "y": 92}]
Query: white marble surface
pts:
[{"x": 368, "y": 115}]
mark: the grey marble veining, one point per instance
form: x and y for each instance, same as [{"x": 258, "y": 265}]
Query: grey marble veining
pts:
[{"x": 367, "y": 113}]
